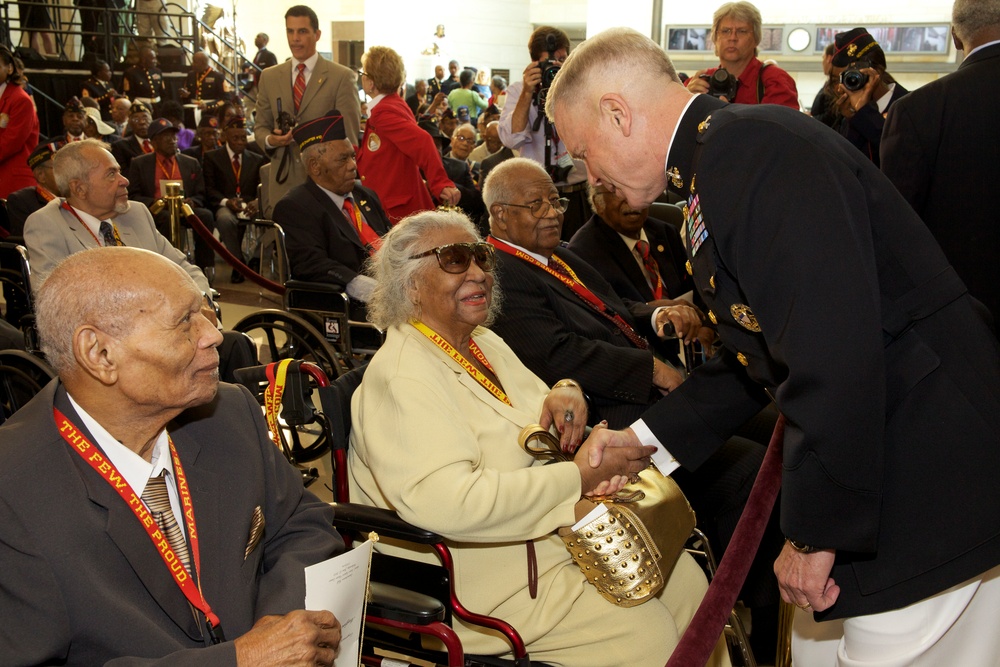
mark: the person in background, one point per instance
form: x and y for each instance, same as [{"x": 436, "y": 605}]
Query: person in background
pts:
[
  {"x": 18, "y": 126},
  {"x": 396, "y": 156},
  {"x": 823, "y": 108},
  {"x": 98, "y": 87}
]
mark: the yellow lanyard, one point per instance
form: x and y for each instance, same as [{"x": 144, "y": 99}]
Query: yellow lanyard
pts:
[{"x": 477, "y": 374}]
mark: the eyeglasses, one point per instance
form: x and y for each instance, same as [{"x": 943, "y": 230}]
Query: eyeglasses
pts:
[
  {"x": 464, "y": 140},
  {"x": 541, "y": 207},
  {"x": 728, "y": 32},
  {"x": 456, "y": 257},
  {"x": 362, "y": 73}
]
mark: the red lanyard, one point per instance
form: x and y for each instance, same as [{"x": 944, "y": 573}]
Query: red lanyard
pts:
[
  {"x": 576, "y": 285},
  {"x": 79, "y": 443},
  {"x": 114, "y": 228},
  {"x": 479, "y": 376},
  {"x": 237, "y": 170}
]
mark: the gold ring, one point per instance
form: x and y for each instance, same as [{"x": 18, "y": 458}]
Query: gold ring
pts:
[{"x": 804, "y": 607}]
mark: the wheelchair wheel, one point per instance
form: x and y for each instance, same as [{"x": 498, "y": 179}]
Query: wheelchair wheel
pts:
[
  {"x": 21, "y": 377},
  {"x": 279, "y": 335}
]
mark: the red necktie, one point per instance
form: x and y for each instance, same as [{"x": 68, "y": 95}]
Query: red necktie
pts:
[
  {"x": 654, "y": 273},
  {"x": 300, "y": 86},
  {"x": 146, "y": 146},
  {"x": 236, "y": 170},
  {"x": 369, "y": 238}
]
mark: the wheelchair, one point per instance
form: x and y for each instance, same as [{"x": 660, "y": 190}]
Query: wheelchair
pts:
[
  {"x": 409, "y": 599},
  {"x": 317, "y": 321}
]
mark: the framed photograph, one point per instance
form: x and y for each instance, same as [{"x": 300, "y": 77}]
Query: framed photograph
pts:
[{"x": 690, "y": 39}]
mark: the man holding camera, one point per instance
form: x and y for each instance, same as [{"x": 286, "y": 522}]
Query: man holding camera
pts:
[
  {"x": 524, "y": 128},
  {"x": 741, "y": 77},
  {"x": 866, "y": 90}
]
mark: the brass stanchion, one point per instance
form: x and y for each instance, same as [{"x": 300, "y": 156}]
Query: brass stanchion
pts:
[
  {"x": 786, "y": 615},
  {"x": 173, "y": 200}
]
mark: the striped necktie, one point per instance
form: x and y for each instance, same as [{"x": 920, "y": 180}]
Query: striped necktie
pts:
[
  {"x": 158, "y": 501},
  {"x": 649, "y": 262},
  {"x": 300, "y": 86}
]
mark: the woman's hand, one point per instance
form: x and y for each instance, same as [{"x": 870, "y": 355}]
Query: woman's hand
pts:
[
  {"x": 607, "y": 459},
  {"x": 566, "y": 407}
]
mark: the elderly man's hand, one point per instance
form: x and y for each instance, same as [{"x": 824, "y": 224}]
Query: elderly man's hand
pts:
[
  {"x": 666, "y": 378},
  {"x": 804, "y": 579},
  {"x": 299, "y": 638},
  {"x": 566, "y": 407},
  {"x": 608, "y": 458},
  {"x": 683, "y": 319}
]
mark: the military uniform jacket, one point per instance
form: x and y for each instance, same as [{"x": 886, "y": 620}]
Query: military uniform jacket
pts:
[
  {"x": 831, "y": 294},
  {"x": 139, "y": 82},
  {"x": 211, "y": 87}
]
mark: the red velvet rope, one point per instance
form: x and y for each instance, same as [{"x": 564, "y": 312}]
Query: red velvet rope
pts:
[
  {"x": 216, "y": 245},
  {"x": 709, "y": 621}
]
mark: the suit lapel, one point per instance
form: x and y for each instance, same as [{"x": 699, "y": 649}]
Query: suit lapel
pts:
[
  {"x": 342, "y": 226},
  {"x": 316, "y": 81},
  {"x": 124, "y": 529},
  {"x": 626, "y": 260},
  {"x": 80, "y": 231}
]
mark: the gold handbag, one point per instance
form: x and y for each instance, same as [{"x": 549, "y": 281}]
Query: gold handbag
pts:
[{"x": 629, "y": 552}]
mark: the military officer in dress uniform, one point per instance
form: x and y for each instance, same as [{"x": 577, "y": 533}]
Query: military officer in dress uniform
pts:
[
  {"x": 832, "y": 297},
  {"x": 144, "y": 82},
  {"x": 203, "y": 84}
]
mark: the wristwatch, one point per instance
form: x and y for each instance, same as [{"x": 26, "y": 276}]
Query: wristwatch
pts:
[{"x": 800, "y": 547}]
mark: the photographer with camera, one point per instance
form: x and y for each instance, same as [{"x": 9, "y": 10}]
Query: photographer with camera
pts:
[
  {"x": 741, "y": 77},
  {"x": 524, "y": 127},
  {"x": 866, "y": 90}
]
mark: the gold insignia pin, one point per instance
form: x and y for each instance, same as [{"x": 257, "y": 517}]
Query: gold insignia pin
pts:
[
  {"x": 675, "y": 177},
  {"x": 742, "y": 358},
  {"x": 852, "y": 49},
  {"x": 742, "y": 314},
  {"x": 692, "y": 182},
  {"x": 687, "y": 266},
  {"x": 712, "y": 317},
  {"x": 703, "y": 125},
  {"x": 711, "y": 282},
  {"x": 659, "y": 248},
  {"x": 686, "y": 211},
  {"x": 364, "y": 203}
]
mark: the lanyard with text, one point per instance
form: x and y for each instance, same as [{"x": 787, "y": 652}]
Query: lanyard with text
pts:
[
  {"x": 571, "y": 281},
  {"x": 79, "y": 443},
  {"x": 478, "y": 375},
  {"x": 276, "y": 373},
  {"x": 114, "y": 228}
]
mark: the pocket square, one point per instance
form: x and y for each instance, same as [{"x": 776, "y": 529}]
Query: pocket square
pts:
[{"x": 256, "y": 531}]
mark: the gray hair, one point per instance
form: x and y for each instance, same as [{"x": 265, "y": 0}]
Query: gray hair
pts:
[
  {"x": 503, "y": 183},
  {"x": 500, "y": 82},
  {"x": 969, "y": 17},
  {"x": 312, "y": 153},
  {"x": 71, "y": 163},
  {"x": 88, "y": 287},
  {"x": 738, "y": 11},
  {"x": 617, "y": 54},
  {"x": 395, "y": 273}
]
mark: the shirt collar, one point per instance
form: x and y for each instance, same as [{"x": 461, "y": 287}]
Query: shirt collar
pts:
[
  {"x": 630, "y": 242},
  {"x": 93, "y": 224},
  {"x": 373, "y": 101},
  {"x": 310, "y": 64},
  {"x": 541, "y": 258},
  {"x": 673, "y": 135},
  {"x": 883, "y": 102},
  {"x": 978, "y": 48},
  {"x": 132, "y": 467},
  {"x": 337, "y": 199}
]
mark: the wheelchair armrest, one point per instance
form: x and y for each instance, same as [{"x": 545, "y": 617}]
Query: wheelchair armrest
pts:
[
  {"x": 405, "y": 606},
  {"x": 362, "y": 518},
  {"x": 326, "y": 288}
]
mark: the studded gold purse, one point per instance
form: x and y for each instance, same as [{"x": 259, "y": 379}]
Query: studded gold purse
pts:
[{"x": 626, "y": 545}]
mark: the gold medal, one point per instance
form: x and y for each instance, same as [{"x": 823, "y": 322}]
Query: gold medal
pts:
[
  {"x": 374, "y": 142},
  {"x": 675, "y": 177},
  {"x": 745, "y": 317}
]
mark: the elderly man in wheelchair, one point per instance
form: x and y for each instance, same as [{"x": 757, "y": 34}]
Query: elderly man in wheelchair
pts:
[{"x": 436, "y": 425}]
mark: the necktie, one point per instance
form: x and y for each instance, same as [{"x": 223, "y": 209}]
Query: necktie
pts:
[
  {"x": 236, "y": 171},
  {"x": 300, "y": 86},
  {"x": 108, "y": 234},
  {"x": 650, "y": 265},
  {"x": 369, "y": 238},
  {"x": 146, "y": 146},
  {"x": 156, "y": 499}
]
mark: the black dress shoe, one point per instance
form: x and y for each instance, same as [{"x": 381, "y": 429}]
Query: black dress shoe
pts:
[{"x": 236, "y": 278}]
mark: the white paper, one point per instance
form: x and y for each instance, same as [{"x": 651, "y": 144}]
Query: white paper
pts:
[
  {"x": 340, "y": 586},
  {"x": 599, "y": 510}
]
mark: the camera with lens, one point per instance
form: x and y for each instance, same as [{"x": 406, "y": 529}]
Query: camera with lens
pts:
[
  {"x": 852, "y": 78},
  {"x": 283, "y": 121},
  {"x": 721, "y": 84},
  {"x": 550, "y": 68}
]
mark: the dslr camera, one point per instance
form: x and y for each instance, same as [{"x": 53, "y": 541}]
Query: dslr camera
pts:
[
  {"x": 284, "y": 120},
  {"x": 549, "y": 69},
  {"x": 852, "y": 78},
  {"x": 721, "y": 84}
]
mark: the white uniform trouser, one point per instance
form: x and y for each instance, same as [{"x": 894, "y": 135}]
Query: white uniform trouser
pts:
[{"x": 959, "y": 627}]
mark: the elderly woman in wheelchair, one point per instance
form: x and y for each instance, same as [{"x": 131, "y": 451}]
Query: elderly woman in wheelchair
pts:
[{"x": 436, "y": 424}]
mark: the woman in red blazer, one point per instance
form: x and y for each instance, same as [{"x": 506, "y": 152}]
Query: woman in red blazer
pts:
[
  {"x": 395, "y": 151},
  {"x": 18, "y": 126}
]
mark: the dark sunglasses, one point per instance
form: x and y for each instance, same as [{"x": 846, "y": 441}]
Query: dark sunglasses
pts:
[{"x": 456, "y": 257}]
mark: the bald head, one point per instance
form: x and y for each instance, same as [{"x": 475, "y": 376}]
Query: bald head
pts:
[{"x": 105, "y": 288}]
